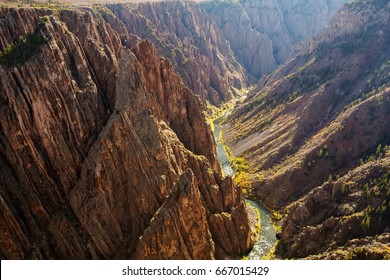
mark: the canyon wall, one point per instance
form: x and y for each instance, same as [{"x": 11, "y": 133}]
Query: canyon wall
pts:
[
  {"x": 262, "y": 33},
  {"x": 105, "y": 152},
  {"x": 182, "y": 32}
]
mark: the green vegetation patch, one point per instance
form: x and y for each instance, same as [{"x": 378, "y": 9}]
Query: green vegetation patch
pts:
[
  {"x": 380, "y": 152},
  {"x": 240, "y": 167},
  {"x": 323, "y": 153},
  {"x": 378, "y": 190},
  {"x": 24, "y": 48}
]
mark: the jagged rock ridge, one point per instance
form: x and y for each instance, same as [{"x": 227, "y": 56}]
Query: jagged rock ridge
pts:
[{"x": 104, "y": 151}]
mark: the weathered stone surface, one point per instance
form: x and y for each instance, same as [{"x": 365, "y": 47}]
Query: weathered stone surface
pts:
[{"x": 329, "y": 221}]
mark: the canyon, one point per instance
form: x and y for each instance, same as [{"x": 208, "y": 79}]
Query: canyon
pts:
[{"x": 106, "y": 151}]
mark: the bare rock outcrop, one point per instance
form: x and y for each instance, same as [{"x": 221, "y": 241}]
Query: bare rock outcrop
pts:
[
  {"x": 343, "y": 219},
  {"x": 181, "y": 222}
]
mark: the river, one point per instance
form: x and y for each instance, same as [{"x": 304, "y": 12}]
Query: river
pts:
[
  {"x": 267, "y": 237},
  {"x": 221, "y": 152}
]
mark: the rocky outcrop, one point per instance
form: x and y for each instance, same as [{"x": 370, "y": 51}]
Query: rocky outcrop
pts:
[
  {"x": 180, "y": 109},
  {"x": 339, "y": 219},
  {"x": 184, "y": 208},
  {"x": 262, "y": 34},
  {"x": 104, "y": 151},
  {"x": 182, "y": 32},
  {"x": 316, "y": 119},
  {"x": 367, "y": 248}
]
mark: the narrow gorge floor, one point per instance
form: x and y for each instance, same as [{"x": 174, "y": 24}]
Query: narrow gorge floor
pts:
[{"x": 267, "y": 239}]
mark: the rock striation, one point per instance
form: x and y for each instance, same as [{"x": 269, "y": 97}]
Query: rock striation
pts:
[{"x": 104, "y": 150}]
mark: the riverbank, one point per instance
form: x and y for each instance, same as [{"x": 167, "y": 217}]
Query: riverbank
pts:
[
  {"x": 267, "y": 237},
  {"x": 263, "y": 231},
  {"x": 254, "y": 221}
]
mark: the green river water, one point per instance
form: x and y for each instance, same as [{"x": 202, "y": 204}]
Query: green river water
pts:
[{"x": 267, "y": 233}]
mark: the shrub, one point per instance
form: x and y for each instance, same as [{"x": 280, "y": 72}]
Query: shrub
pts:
[
  {"x": 25, "y": 48},
  {"x": 366, "y": 222},
  {"x": 243, "y": 179},
  {"x": 344, "y": 189}
]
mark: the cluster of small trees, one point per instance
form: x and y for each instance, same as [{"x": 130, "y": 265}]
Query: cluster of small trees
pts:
[
  {"x": 322, "y": 153},
  {"x": 380, "y": 187},
  {"x": 24, "y": 48},
  {"x": 380, "y": 152}
]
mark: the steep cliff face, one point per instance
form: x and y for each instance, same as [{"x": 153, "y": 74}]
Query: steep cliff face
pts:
[
  {"x": 262, "y": 33},
  {"x": 315, "y": 133},
  {"x": 182, "y": 32},
  {"x": 304, "y": 19},
  {"x": 105, "y": 152},
  {"x": 252, "y": 48}
]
